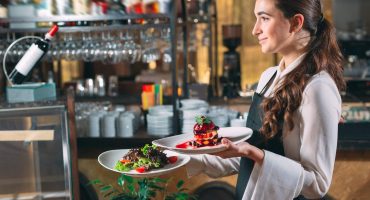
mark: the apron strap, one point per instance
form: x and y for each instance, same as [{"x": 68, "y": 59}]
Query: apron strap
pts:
[{"x": 264, "y": 89}]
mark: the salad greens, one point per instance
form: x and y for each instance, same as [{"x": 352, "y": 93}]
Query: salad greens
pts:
[{"x": 142, "y": 159}]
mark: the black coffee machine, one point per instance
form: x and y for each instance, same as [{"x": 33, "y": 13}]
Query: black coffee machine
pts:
[{"x": 230, "y": 79}]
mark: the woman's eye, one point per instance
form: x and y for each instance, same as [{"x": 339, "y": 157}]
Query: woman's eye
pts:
[{"x": 264, "y": 18}]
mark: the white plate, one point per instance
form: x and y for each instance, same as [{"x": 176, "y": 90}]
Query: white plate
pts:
[
  {"x": 109, "y": 159},
  {"x": 235, "y": 134}
]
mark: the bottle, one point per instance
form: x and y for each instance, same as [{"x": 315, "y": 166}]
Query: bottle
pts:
[
  {"x": 151, "y": 6},
  {"x": 31, "y": 57}
]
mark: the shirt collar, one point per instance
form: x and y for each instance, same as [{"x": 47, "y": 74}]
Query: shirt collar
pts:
[
  {"x": 291, "y": 66},
  {"x": 280, "y": 74}
]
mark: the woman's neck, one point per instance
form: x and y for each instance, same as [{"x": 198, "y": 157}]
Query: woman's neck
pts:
[
  {"x": 288, "y": 59},
  {"x": 294, "y": 51}
]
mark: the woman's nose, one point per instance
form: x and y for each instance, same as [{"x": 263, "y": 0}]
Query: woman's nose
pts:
[{"x": 256, "y": 29}]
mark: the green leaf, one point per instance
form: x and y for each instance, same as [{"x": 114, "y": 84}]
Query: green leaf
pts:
[
  {"x": 206, "y": 120},
  {"x": 151, "y": 193},
  {"x": 180, "y": 184},
  {"x": 199, "y": 120},
  {"x": 108, "y": 194},
  {"x": 123, "y": 196},
  {"x": 106, "y": 188},
  {"x": 131, "y": 188},
  {"x": 202, "y": 120},
  {"x": 94, "y": 182},
  {"x": 120, "y": 181},
  {"x": 128, "y": 179},
  {"x": 153, "y": 186},
  {"x": 159, "y": 180}
]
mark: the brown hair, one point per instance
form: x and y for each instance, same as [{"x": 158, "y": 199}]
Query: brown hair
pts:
[{"x": 323, "y": 54}]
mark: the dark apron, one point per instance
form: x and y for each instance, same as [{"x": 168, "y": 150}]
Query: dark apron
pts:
[{"x": 254, "y": 121}]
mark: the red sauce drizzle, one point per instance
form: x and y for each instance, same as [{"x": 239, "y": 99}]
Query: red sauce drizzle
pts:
[{"x": 184, "y": 145}]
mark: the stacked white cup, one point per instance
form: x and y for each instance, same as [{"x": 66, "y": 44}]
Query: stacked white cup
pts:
[
  {"x": 125, "y": 125},
  {"x": 94, "y": 123},
  {"x": 109, "y": 124}
]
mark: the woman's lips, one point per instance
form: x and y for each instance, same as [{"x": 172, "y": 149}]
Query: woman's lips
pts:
[{"x": 262, "y": 40}]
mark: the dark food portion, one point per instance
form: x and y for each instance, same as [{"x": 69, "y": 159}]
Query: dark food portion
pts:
[
  {"x": 133, "y": 155},
  {"x": 144, "y": 159},
  {"x": 153, "y": 154},
  {"x": 205, "y": 133}
]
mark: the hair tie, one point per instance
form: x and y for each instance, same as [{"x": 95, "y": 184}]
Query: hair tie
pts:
[
  {"x": 319, "y": 24},
  {"x": 321, "y": 19}
]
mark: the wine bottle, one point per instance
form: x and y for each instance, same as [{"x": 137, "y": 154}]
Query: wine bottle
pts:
[{"x": 31, "y": 57}]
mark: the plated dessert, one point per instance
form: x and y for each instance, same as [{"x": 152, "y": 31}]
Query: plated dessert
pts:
[
  {"x": 205, "y": 134},
  {"x": 144, "y": 159}
]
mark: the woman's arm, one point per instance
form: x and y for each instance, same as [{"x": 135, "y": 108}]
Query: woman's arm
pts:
[
  {"x": 243, "y": 149},
  {"x": 213, "y": 166},
  {"x": 320, "y": 115}
]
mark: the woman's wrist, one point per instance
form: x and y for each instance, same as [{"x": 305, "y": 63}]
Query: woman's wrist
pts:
[{"x": 257, "y": 155}]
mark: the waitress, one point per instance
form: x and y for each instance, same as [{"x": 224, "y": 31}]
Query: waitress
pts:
[{"x": 295, "y": 110}]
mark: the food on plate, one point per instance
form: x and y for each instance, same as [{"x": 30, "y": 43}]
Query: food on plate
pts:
[
  {"x": 205, "y": 133},
  {"x": 144, "y": 159}
]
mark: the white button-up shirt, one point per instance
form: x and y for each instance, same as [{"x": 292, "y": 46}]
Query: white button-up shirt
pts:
[{"x": 310, "y": 147}]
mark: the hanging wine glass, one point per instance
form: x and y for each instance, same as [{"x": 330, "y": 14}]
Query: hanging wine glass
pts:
[{"x": 88, "y": 48}]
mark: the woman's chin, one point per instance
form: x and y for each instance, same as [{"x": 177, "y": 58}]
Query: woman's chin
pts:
[{"x": 264, "y": 50}]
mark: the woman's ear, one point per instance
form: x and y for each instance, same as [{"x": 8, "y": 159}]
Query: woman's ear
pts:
[{"x": 296, "y": 23}]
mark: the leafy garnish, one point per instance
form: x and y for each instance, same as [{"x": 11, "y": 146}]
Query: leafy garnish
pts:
[
  {"x": 202, "y": 120},
  {"x": 149, "y": 157},
  {"x": 147, "y": 148}
]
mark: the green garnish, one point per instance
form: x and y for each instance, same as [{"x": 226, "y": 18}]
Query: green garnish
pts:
[
  {"x": 124, "y": 167},
  {"x": 202, "y": 120},
  {"x": 147, "y": 148},
  {"x": 149, "y": 157}
]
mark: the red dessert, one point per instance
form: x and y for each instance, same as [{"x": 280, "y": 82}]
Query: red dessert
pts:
[{"x": 205, "y": 133}]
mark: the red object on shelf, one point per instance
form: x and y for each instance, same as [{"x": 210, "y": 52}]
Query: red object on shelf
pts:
[
  {"x": 53, "y": 30},
  {"x": 151, "y": 8},
  {"x": 103, "y": 7},
  {"x": 147, "y": 88},
  {"x": 137, "y": 8}
]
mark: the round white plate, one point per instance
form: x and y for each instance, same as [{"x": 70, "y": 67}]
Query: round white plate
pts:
[
  {"x": 109, "y": 159},
  {"x": 234, "y": 134}
]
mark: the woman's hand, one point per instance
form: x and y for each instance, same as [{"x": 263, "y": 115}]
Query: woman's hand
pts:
[{"x": 243, "y": 149}]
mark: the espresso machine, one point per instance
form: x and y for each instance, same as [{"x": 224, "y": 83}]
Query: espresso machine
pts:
[{"x": 230, "y": 79}]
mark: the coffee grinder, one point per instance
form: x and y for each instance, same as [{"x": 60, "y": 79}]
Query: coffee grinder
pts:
[{"x": 230, "y": 79}]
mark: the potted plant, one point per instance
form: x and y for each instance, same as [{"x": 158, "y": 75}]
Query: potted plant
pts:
[{"x": 142, "y": 189}]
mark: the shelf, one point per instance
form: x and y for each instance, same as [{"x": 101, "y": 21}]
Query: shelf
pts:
[
  {"x": 75, "y": 18},
  {"x": 195, "y": 19},
  {"x": 122, "y": 99},
  {"x": 75, "y": 29},
  {"x": 102, "y": 23}
]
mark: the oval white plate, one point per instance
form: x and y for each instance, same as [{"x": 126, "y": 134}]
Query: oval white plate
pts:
[
  {"x": 235, "y": 134},
  {"x": 109, "y": 159}
]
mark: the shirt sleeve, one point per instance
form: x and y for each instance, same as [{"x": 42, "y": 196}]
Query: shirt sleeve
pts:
[
  {"x": 280, "y": 177},
  {"x": 213, "y": 166},
  {"x": 320, "y": 113}
]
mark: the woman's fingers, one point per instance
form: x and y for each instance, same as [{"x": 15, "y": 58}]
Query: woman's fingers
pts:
[{"x": 226, "y": 142}]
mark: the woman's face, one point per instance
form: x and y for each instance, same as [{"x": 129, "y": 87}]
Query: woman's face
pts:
[{"x": 271, "y": 28}]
